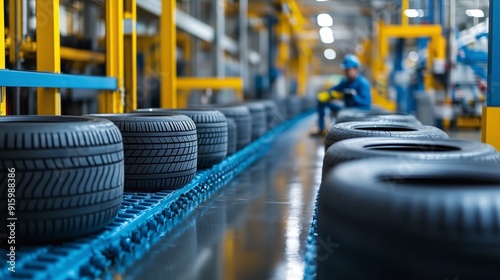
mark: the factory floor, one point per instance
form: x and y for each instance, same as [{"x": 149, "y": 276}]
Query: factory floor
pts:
[{"x": 255, "y": 228}]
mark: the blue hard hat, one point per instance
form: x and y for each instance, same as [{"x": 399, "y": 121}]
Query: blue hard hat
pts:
[{"x": 350, "y": 61}]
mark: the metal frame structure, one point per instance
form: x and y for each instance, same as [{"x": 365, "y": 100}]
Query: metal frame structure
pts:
[
  {"x": 436, "y": 47},
  {"x": 48, "y": 79},
  {"x": 120, "y": 83}
]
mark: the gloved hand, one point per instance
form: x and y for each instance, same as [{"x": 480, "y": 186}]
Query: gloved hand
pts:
[
  {"x": 350, "y": 91},
  {"x": 324, "y": 96}
]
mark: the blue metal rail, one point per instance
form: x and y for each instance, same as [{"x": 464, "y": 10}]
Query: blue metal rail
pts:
[
  {"x": 143, "y": 219},
  {"x": 13, "y": 78}
]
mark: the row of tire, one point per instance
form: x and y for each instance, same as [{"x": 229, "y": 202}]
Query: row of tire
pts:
[
  {"x": 64, "y": 177},
  {"x": 399, "y": 200}
]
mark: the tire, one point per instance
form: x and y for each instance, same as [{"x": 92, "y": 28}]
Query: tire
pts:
[
  {"x": 359, "y": 116},
  {"x": 160, "y": 150},
  {"x": 271, "y": 113},
  {"x": 232, "y": 136},
  {"x": 211, "y": 130},
  {"x": 348, "y": 130},
  {"x": 407, "y": 150},
  {"x": 259, "y": 119},
  {"x": 68, "y": 176},
  {"x": 243, "y": 119},
  {"x": 293, "y": 106},
  {"x": 420, "y": 220}
]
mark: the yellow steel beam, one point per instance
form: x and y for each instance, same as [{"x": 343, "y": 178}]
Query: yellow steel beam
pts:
[
  {"x": 490, "y": 132},
  {"x": 113, "y": 100},
  {"x": 405, "y": 5},
  {"x": 209, "y": 82},
  {"x": 82, "y": 55},
  {"x": 190, "y": 83},
  {"x": 130, "y": 42},
  {"x": 168, "y": 69},
  {"x": 48, "y": 57},
  {"x": 68, "y": 53},
  {"x": 411, "y": 31},
  {"x": 3, "y": 98}
]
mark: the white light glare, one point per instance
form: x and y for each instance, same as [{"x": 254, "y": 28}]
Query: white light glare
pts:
[
  {"x": 324, "y": 20},
  {"x": 326, "y": 35},
  {"x": 411, "y": 13},
  {"x": 474, "y": 13},
  {"x": 413, "y": 56},
  {"x": 330, "y": 54}
]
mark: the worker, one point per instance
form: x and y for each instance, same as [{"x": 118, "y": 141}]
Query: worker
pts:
[{"x": 355, "y": 89}]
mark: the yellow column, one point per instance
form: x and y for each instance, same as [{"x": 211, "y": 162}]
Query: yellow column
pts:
[
  {"x": 282, "y": 31},
  {"x": 302, "y": 73},
  {"x": 48, "y": 57},
  {"x": 130, "y": 50},
  {"x": 113, "y": 100},
  {"x": 168, "y": 67},
  {"x": 490, "y": 132},
  {"x": 3, "y": 98},
  {"x": 404, "y": 6}
]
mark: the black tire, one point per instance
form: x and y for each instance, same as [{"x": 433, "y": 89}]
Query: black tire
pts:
[
  {"x": 68, "y": 176},
  {"x": 211, "y": 130},
  {"x": 160, "y": 150},
  {"x": 359, "y": 116},
  {"x": 232, "y": 136},
  {"x": 272, "y": 113},
  {"x": 293, "y": 106},
  {"x": 408, "y": 149},
  {"x": 418, "y": 220},
  {"x": 348, "y": 130},
  {"x": 259, "y": 119},
  {"x": 243, "y": 119}
]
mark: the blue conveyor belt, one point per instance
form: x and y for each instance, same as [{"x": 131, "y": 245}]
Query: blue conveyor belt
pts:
[{"x": 143, "y": 219}]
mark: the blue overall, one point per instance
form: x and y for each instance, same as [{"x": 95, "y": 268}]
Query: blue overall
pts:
[{"x": 361, "y": 100}]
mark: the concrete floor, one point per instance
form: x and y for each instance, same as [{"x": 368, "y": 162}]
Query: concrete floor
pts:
[{"x": 255, "y": 228}]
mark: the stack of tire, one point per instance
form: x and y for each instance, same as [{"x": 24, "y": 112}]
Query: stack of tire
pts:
[
  {"x": 241, "y": 116},
  {"x": 212, "y": 133},
  {"x": 252, "y": 119},
  {"x": 64, "y": 176},
  {"x": 401, "y": 201}
]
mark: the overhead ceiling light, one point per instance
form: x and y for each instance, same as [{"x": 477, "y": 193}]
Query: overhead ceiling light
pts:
[
  {"x": 330, "y": 54},
  {"x": 326, "y": 35},
  {"x": 474, "y": 13},
  {"x": 324, "y": 20},
  {"x": 321, "y": 0},
  {"x": 411, "y": 13},
  {"x": 421, "y": 13}
]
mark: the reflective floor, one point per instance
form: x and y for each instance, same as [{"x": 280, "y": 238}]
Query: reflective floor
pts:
[{"x": 255, "y": 228}]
